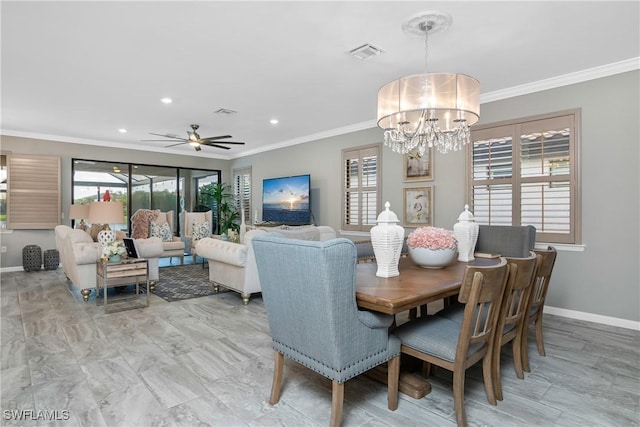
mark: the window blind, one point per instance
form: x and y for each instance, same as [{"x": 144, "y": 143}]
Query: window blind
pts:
[
  {"x": 33, "y": 192},
  {"x": 242, "y": 192},
  {"x": 361, "y": 186}
]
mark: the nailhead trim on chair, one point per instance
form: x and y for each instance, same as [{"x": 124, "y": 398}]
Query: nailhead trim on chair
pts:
[{"x": 331, "y": 376}]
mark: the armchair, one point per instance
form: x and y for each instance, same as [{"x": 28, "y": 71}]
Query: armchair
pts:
[
  {"x": 191, "y": 240},
  {"x": 79, "y": 255},
  {"x": 151, "y": 223},
  {"x": 308, "y": 289}
]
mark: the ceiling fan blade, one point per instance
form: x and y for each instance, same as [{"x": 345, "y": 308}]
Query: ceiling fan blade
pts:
[
  {"x": 179, "y": 143},
  {"x": 213, "y": 138},
  {"x": 166, "y": 135},
  {"x": 221, "y": 142},
  {"x": 217, "y": 146}
]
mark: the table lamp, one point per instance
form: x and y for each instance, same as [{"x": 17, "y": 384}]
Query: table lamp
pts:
[
  {"x": 79, "y": 212},
  {"x": 106, "y": 213}
]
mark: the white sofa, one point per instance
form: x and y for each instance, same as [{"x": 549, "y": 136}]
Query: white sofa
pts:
[
  {"x": 233, "y": 265},
  {"x": 79, "y": 255}
]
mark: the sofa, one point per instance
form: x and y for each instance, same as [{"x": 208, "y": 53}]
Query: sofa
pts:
[
  {"x": 233, "y": 265},
  {"x": 154, "y": 223},
  {"x": 79, "y": 255}
]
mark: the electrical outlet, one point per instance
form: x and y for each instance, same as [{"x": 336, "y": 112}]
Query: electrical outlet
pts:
[{"x": 4, "y": 249}]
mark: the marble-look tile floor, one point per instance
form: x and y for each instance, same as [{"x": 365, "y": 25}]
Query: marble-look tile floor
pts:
[{"x": 208, "y": 361}]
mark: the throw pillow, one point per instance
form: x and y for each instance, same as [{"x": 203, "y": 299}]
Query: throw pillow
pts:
[
  {"x": 200, "y": 230},
  {"x": 162, "y": 231},
  {"x": 96, "y": 229}
]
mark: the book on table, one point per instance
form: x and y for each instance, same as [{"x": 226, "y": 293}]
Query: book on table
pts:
[{"x": 486, "y": 255}]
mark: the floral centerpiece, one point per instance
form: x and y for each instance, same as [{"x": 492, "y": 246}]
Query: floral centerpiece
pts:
[
  {"x": 114, "y": 250},
  {"x": 432, "y": 247}
]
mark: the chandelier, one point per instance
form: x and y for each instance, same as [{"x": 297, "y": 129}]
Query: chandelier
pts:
[{"x": 431, "y": 109}]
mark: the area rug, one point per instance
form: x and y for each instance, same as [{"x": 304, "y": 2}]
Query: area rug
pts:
[{"x": 183, "y": 282}]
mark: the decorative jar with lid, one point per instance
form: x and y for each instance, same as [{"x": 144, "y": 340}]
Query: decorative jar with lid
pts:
[
  {"x": 466, "y": 232},
  {"x": 387, "y": 238}
]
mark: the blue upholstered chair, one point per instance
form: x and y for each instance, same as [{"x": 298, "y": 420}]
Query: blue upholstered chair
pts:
[
  {"x": 308, "y": 289},
  {"x": 510, "y": 241},
  {"x": 455, "y": 345}
]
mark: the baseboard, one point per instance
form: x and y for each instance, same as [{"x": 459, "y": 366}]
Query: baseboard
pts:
[{"x": 590, "y": 317}]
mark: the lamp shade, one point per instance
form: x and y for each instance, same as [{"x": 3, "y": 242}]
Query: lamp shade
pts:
[
  {"x": 78, "y": 211},
  {"x": 106, "y": 213}
]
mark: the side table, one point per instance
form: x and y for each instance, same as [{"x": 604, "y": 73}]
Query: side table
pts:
[{"x": 125, "y": 272}]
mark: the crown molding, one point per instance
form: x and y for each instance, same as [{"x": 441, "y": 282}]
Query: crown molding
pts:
[
  {"x": 564, "y": 80},
  {"x": 108, "y": 144},
  {"x": 626, "y": 65}
]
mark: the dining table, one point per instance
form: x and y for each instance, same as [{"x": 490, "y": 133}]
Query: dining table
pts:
[{"x": 414, "y": 287}]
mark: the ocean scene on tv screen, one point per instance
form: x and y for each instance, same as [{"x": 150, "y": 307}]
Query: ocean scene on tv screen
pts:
[{"x": 286, "y": 200}]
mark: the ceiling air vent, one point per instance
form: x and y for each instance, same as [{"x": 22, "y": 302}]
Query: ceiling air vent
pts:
[
  {"x": 225, "y": 112},
  {"x": 365, "y": 51}
]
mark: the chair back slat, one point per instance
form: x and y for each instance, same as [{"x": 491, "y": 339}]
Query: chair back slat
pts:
[
  {"x": 546, "y": 261},
  {"x": 481, "y": 292},
  {"x": 522, "y": 274}
]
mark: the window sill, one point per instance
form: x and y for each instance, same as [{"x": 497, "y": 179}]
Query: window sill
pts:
[{"x": 561, "y": 247}]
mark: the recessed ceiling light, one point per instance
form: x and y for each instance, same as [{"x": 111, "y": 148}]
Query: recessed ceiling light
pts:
[
  {"x": 122, "y": 130},
  {"x": 273, "y": 121},
  {"x": 167, "y": 100}
]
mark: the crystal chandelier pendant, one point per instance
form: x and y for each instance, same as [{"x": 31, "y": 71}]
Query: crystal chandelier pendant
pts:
[{"x": 431, "y": 110}]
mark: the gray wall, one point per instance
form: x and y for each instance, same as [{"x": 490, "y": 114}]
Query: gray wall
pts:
[
  {"x": 602, "y": 279},
  {"x": 17, "y": 239}
]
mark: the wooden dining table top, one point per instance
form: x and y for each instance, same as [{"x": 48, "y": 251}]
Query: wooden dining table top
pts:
[{"x": 414, "y": 286}]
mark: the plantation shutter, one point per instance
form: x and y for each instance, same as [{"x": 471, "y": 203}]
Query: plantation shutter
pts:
[
  {"x": 242, "y": 192},
  {"x": 526, "y": 173},
  {"x": 361, "y": 186},
  {"x": 33, "y": 192}
]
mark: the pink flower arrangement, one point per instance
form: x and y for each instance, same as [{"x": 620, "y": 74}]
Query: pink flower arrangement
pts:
[{"x": 433, "y": 238}]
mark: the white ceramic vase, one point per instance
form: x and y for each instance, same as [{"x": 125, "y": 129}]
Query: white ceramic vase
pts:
[
  {"x": 430, "y": 258},
  {"x": 466, "y": 232},
  {"x": 387, "y": 238}
]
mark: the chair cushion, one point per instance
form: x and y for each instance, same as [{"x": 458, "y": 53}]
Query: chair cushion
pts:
[
  {"x": 200, "y": 230},
  {"x": 434, "y": 335},
  {"x": 162, "y": 231}
]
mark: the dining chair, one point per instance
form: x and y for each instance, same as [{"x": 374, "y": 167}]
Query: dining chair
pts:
[
  {"x": 512, "y": 316},
  {"x": 538, "y": 294},
  {"x": 308, "y": 289},
  {"x": 454, "y": 345}
]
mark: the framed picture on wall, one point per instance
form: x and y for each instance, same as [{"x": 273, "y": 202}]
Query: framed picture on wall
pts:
[
  {"x": 418, "y": 167},
  {"x": 418, "y": 206}
]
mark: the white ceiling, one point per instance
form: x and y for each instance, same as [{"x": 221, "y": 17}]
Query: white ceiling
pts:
[{"x": 79, "y": 71}]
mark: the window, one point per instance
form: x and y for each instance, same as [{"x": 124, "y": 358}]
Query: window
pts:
[
  {"x": 33, "y": 190},
  {"x": 242, "y": 192},
  {"x": 361, "y": 187},
  {"x": 142, "y": 186},
  {"x": 525, "y": 172}
]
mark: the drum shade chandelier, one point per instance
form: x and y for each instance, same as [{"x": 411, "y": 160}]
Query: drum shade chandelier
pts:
[{"x": 431, "y": 109}]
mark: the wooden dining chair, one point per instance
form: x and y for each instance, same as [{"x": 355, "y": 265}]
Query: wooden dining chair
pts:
[
  {"x": 513, "y": 315},
  {"x": 456, "y": 346},
  {"x": 538, "y": 294}
]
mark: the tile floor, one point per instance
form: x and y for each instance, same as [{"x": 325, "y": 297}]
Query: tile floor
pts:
[{"x": 208, "y": 361}]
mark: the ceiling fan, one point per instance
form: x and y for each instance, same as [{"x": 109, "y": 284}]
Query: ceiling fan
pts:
[{"x": 195, "y": 141}]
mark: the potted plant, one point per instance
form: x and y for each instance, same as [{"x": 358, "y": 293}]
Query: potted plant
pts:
[{"x": 432, "y": 247}]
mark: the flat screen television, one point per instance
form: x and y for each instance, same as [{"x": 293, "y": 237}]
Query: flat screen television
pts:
[{"x": 285, "y": 200}]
